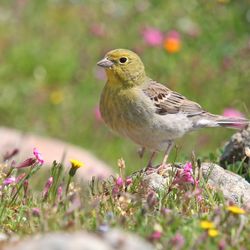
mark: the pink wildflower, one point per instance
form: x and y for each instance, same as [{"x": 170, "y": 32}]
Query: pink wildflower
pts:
[
  {"x": 28, "y": 162},
  {"x": 198, "y": 194},
  {"x": 152, "y": 199},
  {"x": 59, "y": 193},
  {"x": 9, "y": 181},
  {"x": 119, "y": 182},
  {"x": 166, "y": 211},
  {"x": 222, "y": 245},
  {"x": 128, "y": 181},
  {"x": 152, "y": 36},
  {"x": 184, "y": 175},
  {"x": 115, "y": 191},
  {"x": 20, "y": 177},
  {"x": 178, "y": 241},
  {"x": 36, "y": 212},
  {"x": 38, "y": 156},
  {"x": 156, "y": 235},
  {"x": 187, "y": 172},
  {"x": 231, "y": 112},
  {"x": 47, "y": 187}
]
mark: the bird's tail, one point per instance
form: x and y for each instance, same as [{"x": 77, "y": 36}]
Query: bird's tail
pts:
[
  {"x": 233, "y": 122},
  {"x": 210, "y": 120}
]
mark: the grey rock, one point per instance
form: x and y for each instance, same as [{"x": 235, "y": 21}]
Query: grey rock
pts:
[
  {"x": 126, "y": 241},
  {"x": 233, "y": 186},
  {"x": 3, "y": 237},
  {"x": 114, "y": 239},
  {"x": 62, "y": 241},
  {"x": 235, "y": 148},
  {"x": 154, "y": 181}
]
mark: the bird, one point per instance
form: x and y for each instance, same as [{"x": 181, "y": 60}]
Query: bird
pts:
[{"x": 148, "y": 112}]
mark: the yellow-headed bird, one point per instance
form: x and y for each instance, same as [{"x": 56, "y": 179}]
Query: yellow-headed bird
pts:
[{"x": 146, "y": 111}]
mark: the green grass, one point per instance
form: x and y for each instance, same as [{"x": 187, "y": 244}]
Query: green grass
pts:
[
  {"x": 47, "y": 47},
  {"x": 162, "y": 217}
]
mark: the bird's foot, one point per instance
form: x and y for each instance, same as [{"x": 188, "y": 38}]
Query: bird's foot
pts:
[
  {"x": 141, "y": 152},
  {"x": 149, "y": 169}
]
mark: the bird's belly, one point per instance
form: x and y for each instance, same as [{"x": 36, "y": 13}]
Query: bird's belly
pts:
[{"x": 156, "y": 132}]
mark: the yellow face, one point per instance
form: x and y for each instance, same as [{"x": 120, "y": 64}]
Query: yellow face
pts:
[{"x": 122, "y": 66}]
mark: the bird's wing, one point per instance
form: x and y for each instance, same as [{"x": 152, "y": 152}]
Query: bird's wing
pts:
[{"x": 167, "y": 101}]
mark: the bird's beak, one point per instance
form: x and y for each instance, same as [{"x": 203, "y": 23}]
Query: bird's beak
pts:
[{"x": 105, "y": 63}]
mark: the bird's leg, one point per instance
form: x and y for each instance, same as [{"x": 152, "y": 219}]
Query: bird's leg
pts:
[
  {"x": 169, "y": 148},
  {"x": 141, "y": 152},
  {"x": 150, "y": 160}
]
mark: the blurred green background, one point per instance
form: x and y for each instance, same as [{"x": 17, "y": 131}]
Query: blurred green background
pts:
[{"x": 50, "y": 84}]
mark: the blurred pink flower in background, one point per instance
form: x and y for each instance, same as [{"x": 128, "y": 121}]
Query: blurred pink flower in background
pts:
[
  {"x": 152, "y": 36},
  {"x": 97, "y": 114},
  {"x": 38, "y": 156},
  {"x": 232, "y": 112},
  {"x": 97, "y": 30}
]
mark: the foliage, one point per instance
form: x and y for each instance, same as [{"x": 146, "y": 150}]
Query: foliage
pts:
[{"x": 185, "y": 215}]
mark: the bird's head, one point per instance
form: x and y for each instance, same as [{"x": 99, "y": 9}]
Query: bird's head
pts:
[{"x": 123, "y": 67}]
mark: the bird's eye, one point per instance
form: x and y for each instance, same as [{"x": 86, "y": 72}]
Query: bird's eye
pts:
[{"x": 123, "y": 59}]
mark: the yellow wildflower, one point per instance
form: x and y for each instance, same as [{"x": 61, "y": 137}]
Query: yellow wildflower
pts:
[
  {"x": 76, "y": 163},
  {"x": 212, "y": 232},
  {"x": 205, "y": 224},
  {"x": 236, "y": 210}
]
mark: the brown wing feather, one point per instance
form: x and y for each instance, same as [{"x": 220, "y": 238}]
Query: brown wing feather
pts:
[{"x": 167, "y": 101}]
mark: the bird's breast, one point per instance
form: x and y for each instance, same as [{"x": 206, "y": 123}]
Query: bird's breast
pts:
[{"x": 122, "y": 110}]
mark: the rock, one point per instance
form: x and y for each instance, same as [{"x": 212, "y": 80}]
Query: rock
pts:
[
  {"x": 52, "y": 149},
  {"x": 153, "y": 181},
  {"x": 3, "y": 237},
  {"x": 126, "y": 241},
  {"x": 62, "y": 241},
  {"x": 233, "y": 186},
  {"x": 114, "y": 239},
  {"x": 237, "y": 148}
]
